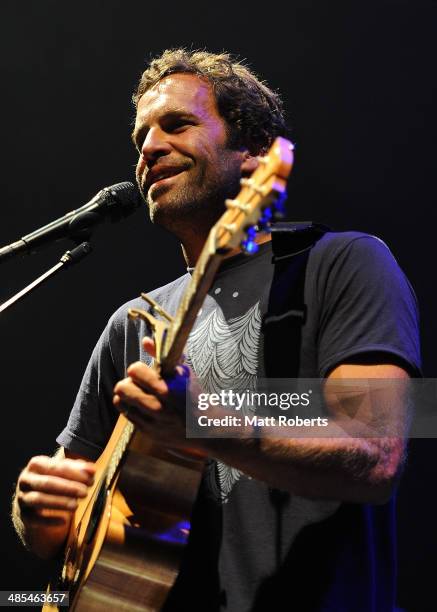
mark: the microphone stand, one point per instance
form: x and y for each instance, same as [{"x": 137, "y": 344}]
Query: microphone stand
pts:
[{"x": 68, "y": 258}]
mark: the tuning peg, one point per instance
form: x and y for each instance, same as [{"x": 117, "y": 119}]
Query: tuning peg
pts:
[
  {"x": 280, "y": 210},
  {"x": 249, "y": 246},
  {"x": 264, "y": 220}
]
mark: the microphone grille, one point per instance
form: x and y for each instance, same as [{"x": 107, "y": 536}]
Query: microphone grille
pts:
[{"x": 125, "y": 196}]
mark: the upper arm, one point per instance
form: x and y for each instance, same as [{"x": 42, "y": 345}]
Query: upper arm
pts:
[
  {"x": 367, "y": 308},
  {"x": 372, "y": 371},
  {"x": 373, "y": 399}
]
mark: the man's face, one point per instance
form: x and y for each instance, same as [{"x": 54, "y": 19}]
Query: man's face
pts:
[{"x": 185, "y": 169}]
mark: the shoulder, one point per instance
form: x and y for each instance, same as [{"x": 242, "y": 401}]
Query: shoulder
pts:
[
  {"x": 361, "y": 299},
  {"x": 335, "y": 244},
  {"x": 120, "y": 340},
  {"x": 166, "y": 296},
  {"x": 348, "y": 255}
]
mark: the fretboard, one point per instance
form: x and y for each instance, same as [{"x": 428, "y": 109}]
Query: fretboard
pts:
[{"x": 191, "y": 302}]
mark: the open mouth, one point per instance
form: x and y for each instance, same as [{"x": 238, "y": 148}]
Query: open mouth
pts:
[
  {"x": 164, "y": 180},
  {"x": 158, "y": 178}
]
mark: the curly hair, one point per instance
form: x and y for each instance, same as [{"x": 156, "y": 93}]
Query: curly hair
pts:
[{"x": 252, "y": 111}]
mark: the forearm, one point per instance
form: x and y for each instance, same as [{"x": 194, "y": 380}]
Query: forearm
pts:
[
  {"x": 357, "y": 457},
  {"x": 356, "y": 470},
  {"x": 355, "y": 460}
]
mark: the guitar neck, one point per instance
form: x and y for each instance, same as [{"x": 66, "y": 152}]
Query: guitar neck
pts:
[{"x": 192, "y": 300}]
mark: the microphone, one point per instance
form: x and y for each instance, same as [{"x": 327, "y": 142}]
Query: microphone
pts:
[{"x": 115, "y": 202}]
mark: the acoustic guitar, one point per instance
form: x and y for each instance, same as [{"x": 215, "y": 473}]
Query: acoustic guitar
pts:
[{"x": 127, "y": 536}]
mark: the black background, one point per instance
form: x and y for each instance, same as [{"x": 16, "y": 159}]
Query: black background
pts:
[{"x": 358, "y": 80}]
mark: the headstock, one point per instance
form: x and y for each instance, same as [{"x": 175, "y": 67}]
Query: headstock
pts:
[{"x": 261, "y": 199}]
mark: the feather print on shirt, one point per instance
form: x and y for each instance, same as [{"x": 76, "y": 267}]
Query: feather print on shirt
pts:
[{"x": 224, "y": 354}]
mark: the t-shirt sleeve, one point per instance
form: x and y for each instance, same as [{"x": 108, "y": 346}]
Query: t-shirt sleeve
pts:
[
  {"x": 93, "y": 415},
  {"x": 367, "y": 305}
]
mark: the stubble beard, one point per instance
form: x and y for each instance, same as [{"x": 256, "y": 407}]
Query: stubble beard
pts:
[{"x": 193, "y": 207}]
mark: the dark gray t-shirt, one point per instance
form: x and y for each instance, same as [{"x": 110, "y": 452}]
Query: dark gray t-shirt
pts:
[{"x": 252, "y": 547}]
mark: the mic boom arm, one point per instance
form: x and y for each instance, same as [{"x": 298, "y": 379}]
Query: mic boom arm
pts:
[{"x": 115, "y": 202}]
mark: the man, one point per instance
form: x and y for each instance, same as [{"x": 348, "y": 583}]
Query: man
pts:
[{"x": 279, "y": 523}]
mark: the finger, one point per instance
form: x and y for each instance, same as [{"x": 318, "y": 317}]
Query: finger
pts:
[
  {"x": 127, "y": 391},
  {"x": 48, "y": 518},
  {"x": 146, "y": 378},
  {"x": 149, "y": 346},
  {"x": 35, "y": 500},
  {"x": 52, "y": 484},
  {"x": 70, "y": 469},
  {"x": 127, "y": 410},
  {"x": 184, "y": 370}
]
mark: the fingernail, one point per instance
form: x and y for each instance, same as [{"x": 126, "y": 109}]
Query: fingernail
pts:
[{"x": 88, "y": 475}]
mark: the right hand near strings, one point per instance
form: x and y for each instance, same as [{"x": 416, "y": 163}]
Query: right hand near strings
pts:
[{"x": 49, "y": 488}]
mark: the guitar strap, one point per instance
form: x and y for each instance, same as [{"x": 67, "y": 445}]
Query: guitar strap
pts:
[
  {"x": 282, "y": 325},
  {"x": 286, "y": 312}
]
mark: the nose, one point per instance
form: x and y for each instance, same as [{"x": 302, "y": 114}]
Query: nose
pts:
[{"x": 155, "y": 144}]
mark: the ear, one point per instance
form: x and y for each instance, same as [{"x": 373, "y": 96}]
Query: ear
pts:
[{"x": 249, "y": 164}]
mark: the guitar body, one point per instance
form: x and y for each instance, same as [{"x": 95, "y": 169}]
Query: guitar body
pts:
[{"x": 127, "y": 537}]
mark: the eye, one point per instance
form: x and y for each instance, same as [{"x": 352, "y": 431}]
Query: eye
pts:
[{"x": 177, "y": 125}]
